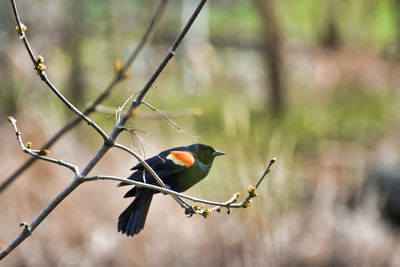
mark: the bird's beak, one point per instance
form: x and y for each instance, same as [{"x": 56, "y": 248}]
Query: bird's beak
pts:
[{"x": 218, "y": 153}]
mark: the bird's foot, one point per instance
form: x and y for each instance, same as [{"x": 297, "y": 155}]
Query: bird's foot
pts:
[{"x": 189, "y": 211}]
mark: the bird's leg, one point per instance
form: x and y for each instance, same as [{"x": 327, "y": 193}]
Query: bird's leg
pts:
[{"x": 189, "y": 210}]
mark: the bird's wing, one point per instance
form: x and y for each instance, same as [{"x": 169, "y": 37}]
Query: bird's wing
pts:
[
  {"x": 165, "y": 164},
  {"x": 157, "y": 158}
]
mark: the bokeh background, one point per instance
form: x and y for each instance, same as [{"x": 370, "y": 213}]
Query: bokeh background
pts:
[{"x": 313, "y": 83}]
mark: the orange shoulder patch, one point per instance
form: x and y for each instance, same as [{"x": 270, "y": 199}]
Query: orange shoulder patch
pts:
[{"x": 182, "y": 158}]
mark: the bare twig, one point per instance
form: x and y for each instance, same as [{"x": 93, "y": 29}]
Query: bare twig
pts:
[
  {"x": 163, "y": 116},
  {"x": 40, "y": 154},
  {"x": 151, "y": 186},
  {"x": 231, "y": 203},
  {"x": 251, "y": 192},
  {"x": 169, "y": 121},
  {"x": 118, "y": 77},
  {"x": 21, "y": 31},
  {"x": 155, "y": 19},
  {"x": 40, "y": 67},
  {"x": 106, "y": 146},
  {"x": 110, "y": 110}
]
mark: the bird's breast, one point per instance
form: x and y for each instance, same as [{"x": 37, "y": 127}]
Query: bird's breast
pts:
[{"x": 186, "y": 179}]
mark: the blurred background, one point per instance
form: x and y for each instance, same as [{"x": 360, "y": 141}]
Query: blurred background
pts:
[{"x": 313, "y": 83}]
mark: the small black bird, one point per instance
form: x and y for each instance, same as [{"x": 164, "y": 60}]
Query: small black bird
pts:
[{"x": 180, "y": 168}]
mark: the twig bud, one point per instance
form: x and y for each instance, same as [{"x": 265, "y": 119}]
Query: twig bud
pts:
[
  {"x": 44, "y": 152},
  {"x": 237, "y": 195},
  {"x": 206, "y": 212},
  {"x": 118, "y": 65},
  {"x": 23, "y": 27},
  {"x": 247, "y": 204},
  {"x": 228, "y": 210},
  {"x": 252, "y": 191},
  {"x": 28, "y": 145},
  {"x": 272, "y": 160},
  {"x": 40, "y": 59},
  {"x": 127, "y": 74},
  {"x": 40, "y": 68},
  {"x": 27, "y": 227}
]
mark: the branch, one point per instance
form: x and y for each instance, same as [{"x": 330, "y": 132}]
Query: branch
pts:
[
  {"x": 198, "y": 210},
  {"x": 118, "y": 77},
  {"x": 40, "y": 67},
  {"x": 251, "y": 193},
  {"x": 40, "y": 154},
  {"x": 106, "y": 146},
  {"x": 169, "y": 121}
]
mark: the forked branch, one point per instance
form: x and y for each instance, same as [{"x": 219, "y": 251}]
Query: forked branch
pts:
[
  {"x": 41, "y": 154},
  {"x": 109, "y": 140},
  {"x": 118, "y": 77}
]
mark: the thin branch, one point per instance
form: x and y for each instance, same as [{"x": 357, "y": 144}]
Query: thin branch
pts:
[
  {"x": 155, "y": 19},
  {"x": 40, "y": 67},
  {"x": 118, "y": 77},
  {"x": 150, "y": 186},
  {"x": 89, "y": 121},
  {"x": 106, "y": 146},
  {"x": 159, "y": 114},
  {"x": 163, "y": 116},
  {"x": 251, "y": 190},
  {"x": 21, "y": 32},
  {"x": 110, "y": 110},
  {"x": 39, "y": 153},
  {"x": 231, "y": 203},
  {"x": 169, "y": 121}
]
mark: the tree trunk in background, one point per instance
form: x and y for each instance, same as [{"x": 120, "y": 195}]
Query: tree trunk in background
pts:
[
  {"x": 12, "y": 93},
  {"x": 72, "y": 43},
  {"x": 272, "y": 53},
  {"x": 330, "y": 36},
  {"x": 396, "y": 5}
]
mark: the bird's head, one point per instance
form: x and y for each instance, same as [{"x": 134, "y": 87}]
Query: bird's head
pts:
[{"x": 204, "y": 153}]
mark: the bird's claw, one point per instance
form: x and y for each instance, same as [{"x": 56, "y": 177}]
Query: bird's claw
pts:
[{"x": 189, "y": 211}]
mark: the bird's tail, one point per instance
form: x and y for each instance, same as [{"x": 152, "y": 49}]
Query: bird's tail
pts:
[{"x": 132, "y": 219}]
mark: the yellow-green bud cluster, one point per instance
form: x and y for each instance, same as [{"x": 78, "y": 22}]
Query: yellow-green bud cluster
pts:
[
  {"x": 247, "y": 204},
  {"x": 206, "y": 212},
  {"x": 40, "y": 67},
  {"x": 23, "y": 28},
  {"x": 252, "y": 191},
  {"x": 44, "y": 152}
]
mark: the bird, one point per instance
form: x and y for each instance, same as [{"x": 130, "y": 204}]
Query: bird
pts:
[{"x": 179, "y": 168}]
